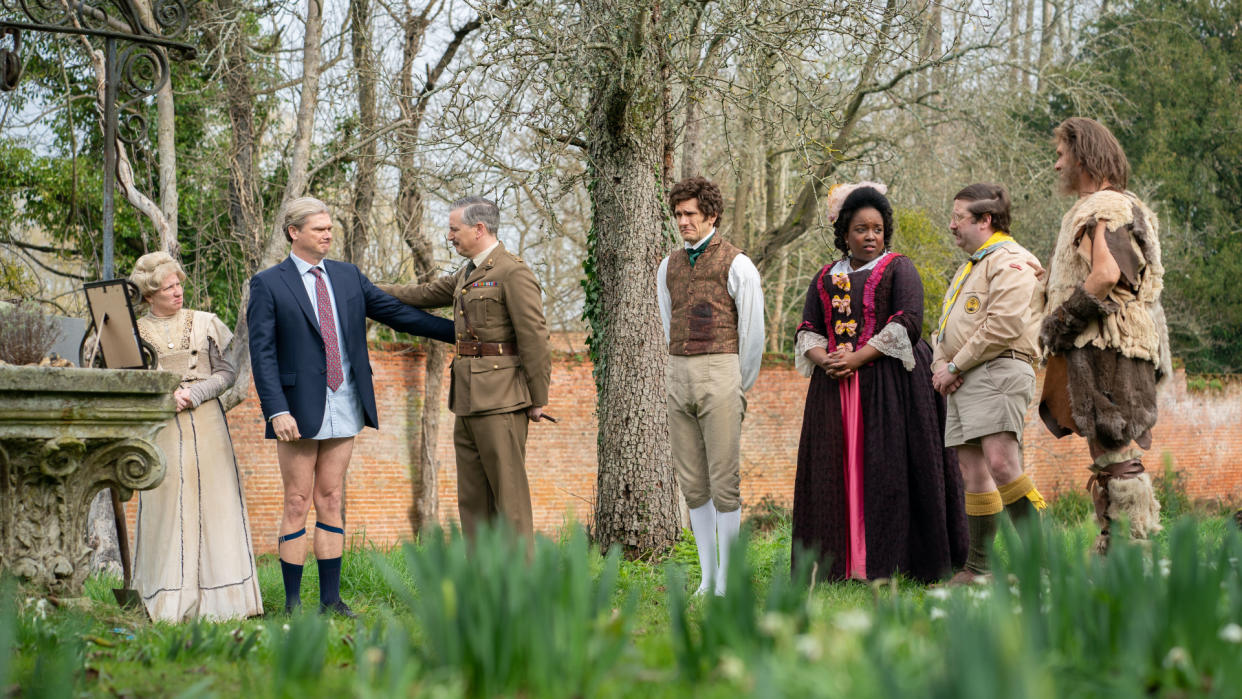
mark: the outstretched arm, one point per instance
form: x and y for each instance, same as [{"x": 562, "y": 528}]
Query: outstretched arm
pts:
[
  {"x": 435, "y": 294},
  {"x": 398, "y": 316}
]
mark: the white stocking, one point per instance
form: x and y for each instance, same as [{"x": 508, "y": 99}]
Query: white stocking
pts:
[
  {"x": 727, "y": 526},
  {"x": 703, "y": 524}
]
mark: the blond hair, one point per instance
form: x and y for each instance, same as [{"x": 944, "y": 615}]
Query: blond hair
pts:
[
  {"x": 152, "y": 269},
  {"x": 297, "y": 211}
]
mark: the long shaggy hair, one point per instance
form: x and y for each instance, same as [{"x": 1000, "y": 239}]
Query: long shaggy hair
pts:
[
  {"x": 1095, "y": 152},
  {"x": 862, "y": 198}
]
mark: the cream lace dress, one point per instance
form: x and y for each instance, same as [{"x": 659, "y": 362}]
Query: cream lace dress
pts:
[{"x": 194, "y": 556}]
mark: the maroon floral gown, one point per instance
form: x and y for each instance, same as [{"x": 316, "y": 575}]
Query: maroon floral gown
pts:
[{"x": 897, "y": 506}]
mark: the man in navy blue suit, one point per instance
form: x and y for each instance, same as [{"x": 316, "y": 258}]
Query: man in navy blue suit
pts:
[{"x": 308, "y": 353}]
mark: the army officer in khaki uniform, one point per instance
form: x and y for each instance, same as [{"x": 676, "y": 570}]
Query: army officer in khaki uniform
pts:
[
  {"x": 502, "y": 368},
  {"x": 984, "y": 347}
]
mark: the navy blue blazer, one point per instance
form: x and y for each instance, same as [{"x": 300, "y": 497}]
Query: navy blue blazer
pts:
[{"x": 287, "y": 356}]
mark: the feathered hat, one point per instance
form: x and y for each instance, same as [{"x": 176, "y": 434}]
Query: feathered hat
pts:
[{"x": 838, "y": 193}]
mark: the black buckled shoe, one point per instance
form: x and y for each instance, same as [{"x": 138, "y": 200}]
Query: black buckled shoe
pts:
[{"x": 339, "y": 608}]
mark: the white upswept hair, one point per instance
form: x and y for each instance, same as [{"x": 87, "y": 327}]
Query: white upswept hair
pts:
[{"x": 152, "y": 269}]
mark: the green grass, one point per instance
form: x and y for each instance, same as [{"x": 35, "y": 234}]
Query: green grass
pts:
[{"x": 439, "y": 619}]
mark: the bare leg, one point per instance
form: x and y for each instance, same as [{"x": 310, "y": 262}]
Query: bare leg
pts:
[
  {"x": 1003, "y": 454},
  {"x": 297, "y": 471},
  {"x": 976, "y": 476},
  {"x": 330, "y": 466}
]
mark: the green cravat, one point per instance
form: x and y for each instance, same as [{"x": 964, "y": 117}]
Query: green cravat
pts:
[{"x": 695, "y": 252}]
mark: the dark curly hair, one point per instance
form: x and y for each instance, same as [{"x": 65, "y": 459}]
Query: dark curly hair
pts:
[
  {"x": 862, "y": 198},
  {"x": 711, "y": 203}
]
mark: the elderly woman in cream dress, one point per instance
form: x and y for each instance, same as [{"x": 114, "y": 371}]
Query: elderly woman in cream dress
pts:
[{"x": 193, "y": 556}]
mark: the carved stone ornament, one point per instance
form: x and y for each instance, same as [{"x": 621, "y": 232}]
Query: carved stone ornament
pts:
[{"x": 66, "y": 434}]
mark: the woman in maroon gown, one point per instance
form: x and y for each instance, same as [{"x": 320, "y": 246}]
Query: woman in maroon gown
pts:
[{"x": 876, "y": 492}]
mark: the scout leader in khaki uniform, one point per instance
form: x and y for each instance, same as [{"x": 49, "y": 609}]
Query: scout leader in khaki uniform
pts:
[
  {"x": 502, "y": 368},
  {"x": 984, "y": 346}
]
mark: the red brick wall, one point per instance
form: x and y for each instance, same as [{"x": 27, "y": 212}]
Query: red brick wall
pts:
[{"x": 1199, "y": 429}]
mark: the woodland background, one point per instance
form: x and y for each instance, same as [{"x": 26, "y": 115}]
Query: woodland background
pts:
[{"x": 576, "y": 115}]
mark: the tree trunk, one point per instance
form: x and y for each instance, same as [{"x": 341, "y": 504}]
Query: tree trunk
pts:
[
  {"x": 1015, "y": 30},
  {"x": 1045, "y": 40},
  {"x": 425, "y": 510},
  {"x": 244, "y": 196},
  {"x": 690, "y": 147},
  {"x": 635, "y": 502},
  {"x": 774, "y": 185},
  {"x": 357, "y": 226},
  {"x": 930, "y": 42},
  {"x": 304, "y": 126},
  {"x": 424, "y": 467},
  {"x": 1029, "y": 24}
]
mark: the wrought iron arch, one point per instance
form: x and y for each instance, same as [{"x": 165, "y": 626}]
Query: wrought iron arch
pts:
[{"x": 136, "y": 66}]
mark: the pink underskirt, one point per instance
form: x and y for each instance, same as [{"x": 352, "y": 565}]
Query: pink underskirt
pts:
[{"x": 851, "y": 419}]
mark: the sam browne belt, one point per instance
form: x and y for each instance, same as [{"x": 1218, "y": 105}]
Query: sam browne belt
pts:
[{"x": 485, "y": 349}]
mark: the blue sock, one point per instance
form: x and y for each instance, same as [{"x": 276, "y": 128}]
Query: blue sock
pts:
[
  {"x": 292, "y": 574},
  {"x": 329, "y": 581}
]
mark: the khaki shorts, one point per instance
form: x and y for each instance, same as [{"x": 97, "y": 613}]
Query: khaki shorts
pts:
[{"x": 993, "y": 398}]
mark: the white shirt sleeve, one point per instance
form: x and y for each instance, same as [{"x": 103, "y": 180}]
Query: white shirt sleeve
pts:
[
  {"x": 747, "y": 291},
  {"x": 665, "y": 301}
]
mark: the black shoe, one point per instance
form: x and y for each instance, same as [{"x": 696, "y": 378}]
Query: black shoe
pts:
[{"x": 338, "y": 608}]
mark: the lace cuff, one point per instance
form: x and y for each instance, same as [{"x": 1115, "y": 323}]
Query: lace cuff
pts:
[
  {"x": 894, "y": 341},
  {"x": 805, "y": 340},
  {"x": 222, "y": 376}
]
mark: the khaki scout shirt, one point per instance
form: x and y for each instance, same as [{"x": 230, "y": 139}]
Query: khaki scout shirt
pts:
[
  {"x": 503, "y": 303},
  {"x": 998, "y": 309}
]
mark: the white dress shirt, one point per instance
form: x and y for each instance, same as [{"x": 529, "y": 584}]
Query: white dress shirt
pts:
[
  {"x": 342, "y": 415},
  {"x": 746, "y": 290}
]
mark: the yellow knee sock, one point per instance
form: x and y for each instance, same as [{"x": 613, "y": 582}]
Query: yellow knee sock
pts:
[
  {"x": 981, "y": 504},
  {"x": 1018, "y": 488}
]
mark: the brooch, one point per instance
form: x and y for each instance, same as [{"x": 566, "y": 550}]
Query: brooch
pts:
[{"x": 841, "y": 281}]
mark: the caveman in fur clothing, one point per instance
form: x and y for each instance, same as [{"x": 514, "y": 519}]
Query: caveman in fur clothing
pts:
[{"x": 1103, "y": 334}]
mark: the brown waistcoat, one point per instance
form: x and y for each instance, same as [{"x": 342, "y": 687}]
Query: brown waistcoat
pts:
[{"x": 704, "y": 317}]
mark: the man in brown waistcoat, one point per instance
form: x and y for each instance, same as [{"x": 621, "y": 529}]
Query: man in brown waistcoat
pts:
[
  {"x": 502, "y": 370},
  {"x": 711, "y": 305}
]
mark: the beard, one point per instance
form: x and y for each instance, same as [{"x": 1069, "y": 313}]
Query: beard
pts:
[{"x": 1069, "y": 178}]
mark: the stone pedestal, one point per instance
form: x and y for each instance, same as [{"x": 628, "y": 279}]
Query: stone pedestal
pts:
[{"x": 65, "y": 434}]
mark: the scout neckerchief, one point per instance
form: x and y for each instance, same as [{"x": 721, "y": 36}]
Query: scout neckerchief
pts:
[{"x": 998, "y": 239}]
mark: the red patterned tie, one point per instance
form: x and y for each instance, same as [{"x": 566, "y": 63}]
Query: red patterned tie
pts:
[{"x": 327, "y": 328}]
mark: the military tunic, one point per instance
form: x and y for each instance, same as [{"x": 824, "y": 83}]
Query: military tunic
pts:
[{"x": 498, "y": 315}]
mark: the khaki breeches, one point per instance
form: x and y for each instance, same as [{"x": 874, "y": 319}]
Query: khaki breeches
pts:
[{"x": 705, "y": 411}]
